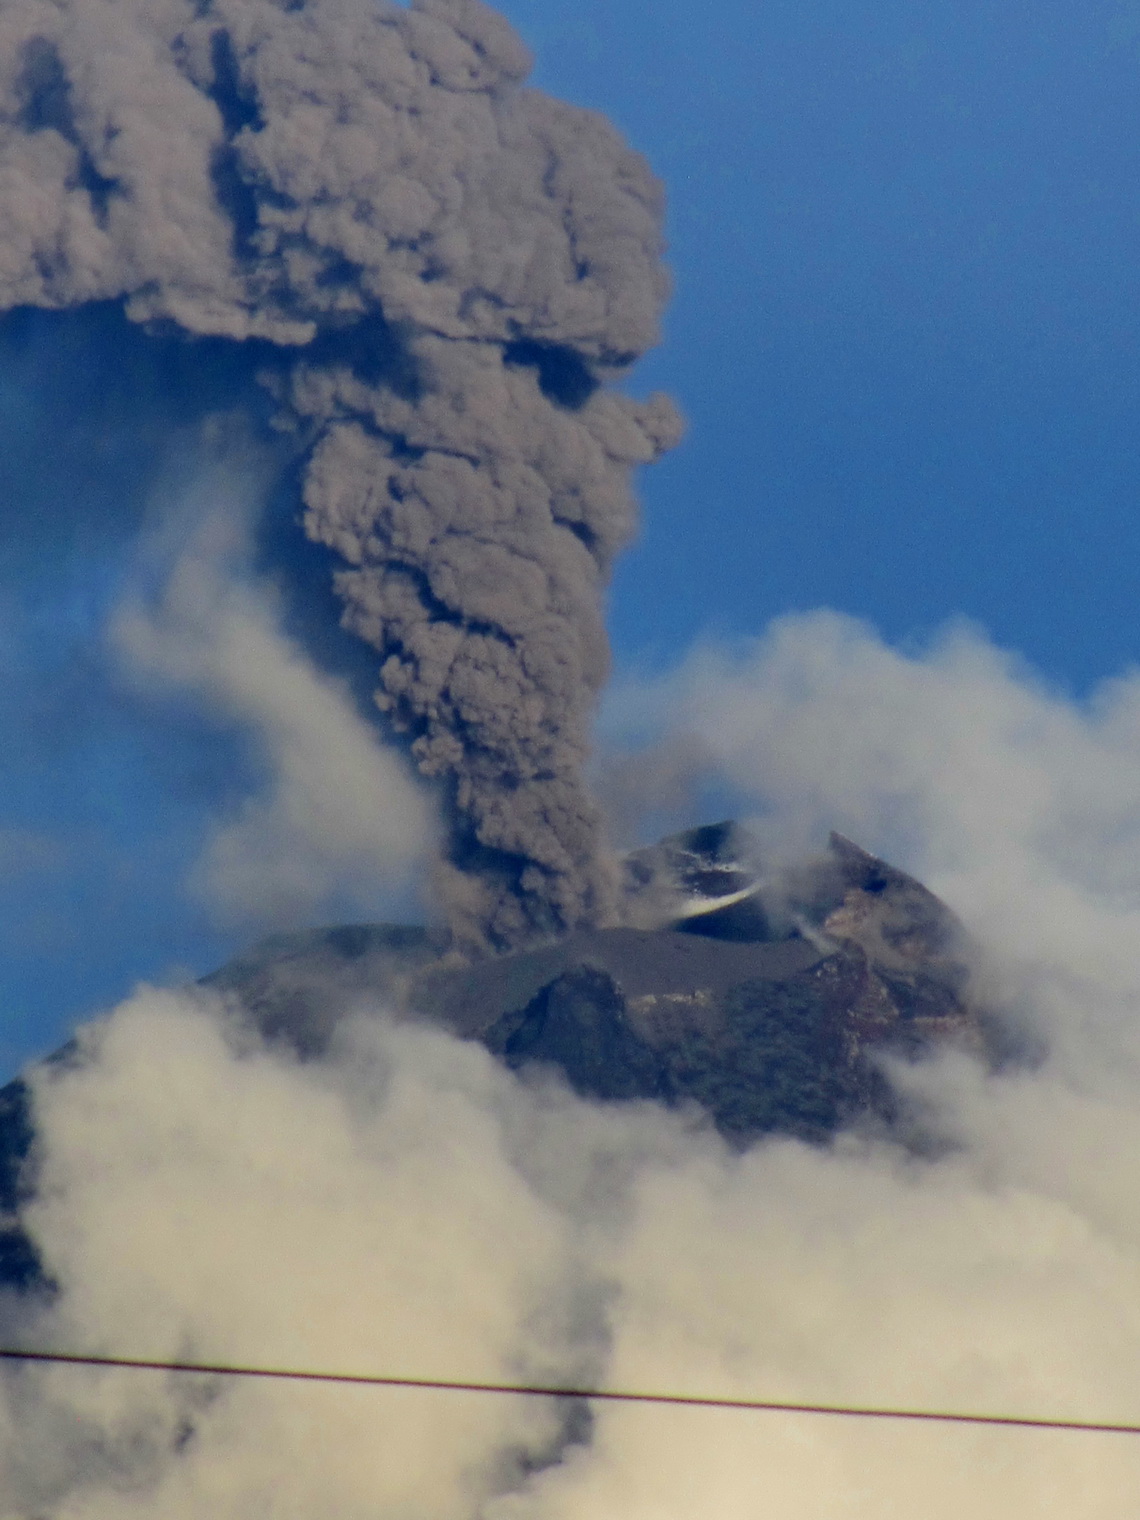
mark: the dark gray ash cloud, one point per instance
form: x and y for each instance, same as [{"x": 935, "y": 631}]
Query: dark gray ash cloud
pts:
[{"x": 444, "y": 269}]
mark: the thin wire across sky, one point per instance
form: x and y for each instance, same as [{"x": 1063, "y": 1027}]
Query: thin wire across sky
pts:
[{"x": 528, "y": 1390}]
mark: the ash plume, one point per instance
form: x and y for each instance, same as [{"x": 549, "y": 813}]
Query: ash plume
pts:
[{"x": 440, "y": 270}]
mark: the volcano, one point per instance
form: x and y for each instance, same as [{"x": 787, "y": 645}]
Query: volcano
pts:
[{"x": 761, "y": 998}]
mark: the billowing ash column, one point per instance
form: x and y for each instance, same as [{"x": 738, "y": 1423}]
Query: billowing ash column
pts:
[{"x": 451, "y": 266}]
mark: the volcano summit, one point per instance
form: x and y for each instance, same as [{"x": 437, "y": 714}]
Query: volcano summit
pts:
[
  {"x": 765, "y": 1002},
  {"x": 765, "y": 999}
]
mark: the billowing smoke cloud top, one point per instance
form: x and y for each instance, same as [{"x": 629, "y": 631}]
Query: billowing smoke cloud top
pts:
[
  {"x": 441, "y": 268},
  {"x": 406, "y": 1205}
]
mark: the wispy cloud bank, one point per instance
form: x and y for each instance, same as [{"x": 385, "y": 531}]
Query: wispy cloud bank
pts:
[
  {"x": 405, "y": 1206},
  {"x": 338, "y": 824},
  {"x": 1016, "y": 803}
]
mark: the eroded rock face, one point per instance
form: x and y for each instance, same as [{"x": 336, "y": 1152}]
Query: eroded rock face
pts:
[{"x": 915, "y": 975}]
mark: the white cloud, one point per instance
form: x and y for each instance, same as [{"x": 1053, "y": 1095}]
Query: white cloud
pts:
[
  {"x": 1018, "y": 805},
  {"x": 202, "y": 1197},
  {"x": 340, "y": 821},
  {"x": 406, "y": 1206}
]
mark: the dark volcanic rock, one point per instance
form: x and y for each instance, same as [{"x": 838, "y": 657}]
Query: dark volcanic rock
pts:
[
  {"x": 579, "y": 1024},
  {"x": 658, "y": 972}
]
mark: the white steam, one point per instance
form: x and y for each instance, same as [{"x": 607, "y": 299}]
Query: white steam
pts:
[
  {"x": 338, "y": 821},
  {"x": 1017, "y": 805},
  {"x": 404, "y": 1206}
]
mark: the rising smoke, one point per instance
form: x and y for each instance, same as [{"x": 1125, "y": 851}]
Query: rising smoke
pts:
[
  {"x": 440, "y": 269},
  {"x": 338, "y": 824}
]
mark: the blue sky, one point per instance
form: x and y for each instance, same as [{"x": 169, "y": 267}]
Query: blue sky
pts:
[
  {"x": 904, "y": 239},
  {"x": 905, "y": 242}
]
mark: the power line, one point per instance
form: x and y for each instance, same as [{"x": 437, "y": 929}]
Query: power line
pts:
[{"x": 533, "y": 1390}]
